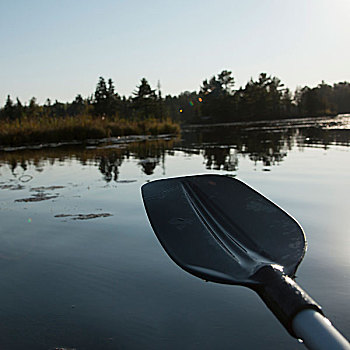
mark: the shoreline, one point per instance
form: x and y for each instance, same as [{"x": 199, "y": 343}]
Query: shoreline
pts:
[{"x": 31, "y": 132}]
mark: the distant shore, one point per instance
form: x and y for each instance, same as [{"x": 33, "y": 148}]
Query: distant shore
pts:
[
  {"x": 296, "y": 121},
  {"x": 80, "y": 128}
]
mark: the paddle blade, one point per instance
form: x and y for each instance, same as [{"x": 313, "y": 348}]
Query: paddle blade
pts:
[{"x": 220, "y": 229}]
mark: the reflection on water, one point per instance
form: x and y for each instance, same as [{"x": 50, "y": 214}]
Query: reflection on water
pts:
[
  {"x": 107, "y": 159},
  {"x": 220, "y": 146},
  {"x": 81, "y": 268},
  {"x": 268, "y": 143}
]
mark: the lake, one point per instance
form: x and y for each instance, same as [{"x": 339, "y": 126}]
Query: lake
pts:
[{"x": 81, "y": 267}]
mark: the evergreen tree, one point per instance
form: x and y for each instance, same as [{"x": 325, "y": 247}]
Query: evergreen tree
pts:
[
  {"x": 317, "y": 101},
  {"x": 227, "y": 81},
  {"x": 9, "y": 108},
  {"x": 286, "y": 103},
  {"x": 113, "y": 100},
  {"x": 33, "y": 110},
  {"x": 77, "y": 107},
  {"x": 341, "y": 97},
  {"x": 261, "y": 99},
  {"x": 100, "y": 97},
  {"x": 59, "y": 109},
  {"x": 18, "y": 109},
  {"x": 106, "y": 101},
  {"x": 144, "y": 100},
  {"x": 218, "y": 101},
  {"x": 160, "y": 104}
]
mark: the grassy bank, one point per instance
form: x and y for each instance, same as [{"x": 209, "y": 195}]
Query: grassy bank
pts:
[{"x": 80, "y": 128}]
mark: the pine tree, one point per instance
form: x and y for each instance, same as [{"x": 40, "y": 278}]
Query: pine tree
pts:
[{"x": 144, "y": 100}]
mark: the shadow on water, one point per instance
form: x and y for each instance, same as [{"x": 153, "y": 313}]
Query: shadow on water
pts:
[{"x": 267, "y": 143}]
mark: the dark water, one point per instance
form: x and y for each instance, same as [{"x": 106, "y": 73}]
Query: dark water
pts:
[{"x": 81, "y": 268}]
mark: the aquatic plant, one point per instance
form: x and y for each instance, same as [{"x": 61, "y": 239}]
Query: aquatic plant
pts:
[{"x": 78, "y": 128}]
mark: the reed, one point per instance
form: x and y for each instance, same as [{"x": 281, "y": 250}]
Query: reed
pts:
[{"x": 78, "y": 128}]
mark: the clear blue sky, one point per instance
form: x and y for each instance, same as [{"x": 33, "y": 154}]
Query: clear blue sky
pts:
[{"x": 58, "y": 48}]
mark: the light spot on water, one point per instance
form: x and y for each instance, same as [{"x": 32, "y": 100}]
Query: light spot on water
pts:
[{"x": 25, "y": 178}]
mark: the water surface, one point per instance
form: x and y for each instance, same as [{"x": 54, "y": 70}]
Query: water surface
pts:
[{"x": 81, "y": 268}]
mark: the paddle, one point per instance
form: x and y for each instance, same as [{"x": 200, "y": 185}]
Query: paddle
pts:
[{"x": 221, "y": 230}]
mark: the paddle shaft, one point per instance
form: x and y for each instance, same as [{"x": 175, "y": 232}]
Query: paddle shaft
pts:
[
  {"x": 317, "y": 332},
  {"x": 297, "y": 311}
]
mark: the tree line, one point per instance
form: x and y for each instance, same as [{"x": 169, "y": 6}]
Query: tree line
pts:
[{"x": 216, "y": 101}]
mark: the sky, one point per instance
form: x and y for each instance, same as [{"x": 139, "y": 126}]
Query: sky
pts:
[{"x": 59, "y": 48}]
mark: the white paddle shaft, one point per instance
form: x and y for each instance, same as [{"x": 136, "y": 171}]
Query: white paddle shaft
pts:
[{"x": 317, "y": 332}]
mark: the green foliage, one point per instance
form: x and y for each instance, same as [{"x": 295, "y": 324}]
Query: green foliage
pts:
[
  {"x": 185, "y": 108},
  {"x": 144, "y": 100},
  {"x": 267, "y": 98},
  {"x": 106, "y": 101},
  {"x": 9, "y": 109},
  {"x": 324, "y": 99},
  {"x": 106, "y": 114},
  {"x": 218, "y": 86},
  {"x": 261, "y": 99},
  {"x": 341, "y": 97}
]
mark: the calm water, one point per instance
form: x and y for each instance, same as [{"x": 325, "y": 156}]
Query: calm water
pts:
[{"x": 81, "y": 268}]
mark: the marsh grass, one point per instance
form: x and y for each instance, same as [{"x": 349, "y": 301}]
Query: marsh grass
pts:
[{"x": 78, "y": 128}]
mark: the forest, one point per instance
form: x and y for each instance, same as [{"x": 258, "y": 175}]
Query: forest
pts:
[
  {"x": 105, "y": 113},
  {"x": 216, "y": 101}
]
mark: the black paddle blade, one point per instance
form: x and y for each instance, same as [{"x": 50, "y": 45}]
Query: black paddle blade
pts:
[{"x": 220, "y": 229}]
